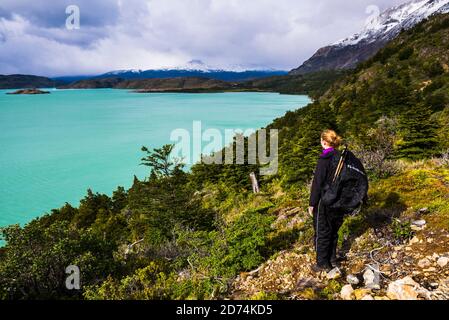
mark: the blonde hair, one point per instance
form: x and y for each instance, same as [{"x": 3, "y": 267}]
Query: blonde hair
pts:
[{"x": 332, "y": 138}]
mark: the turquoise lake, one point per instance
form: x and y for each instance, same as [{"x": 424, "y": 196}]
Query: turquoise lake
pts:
[{"x": 54, "y": 147}]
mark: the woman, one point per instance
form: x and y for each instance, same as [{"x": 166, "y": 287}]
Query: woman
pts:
[{"x": 326, "y": 221}]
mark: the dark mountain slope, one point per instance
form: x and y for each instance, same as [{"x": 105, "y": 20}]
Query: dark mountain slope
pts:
[{"x": 19, "y": 81}]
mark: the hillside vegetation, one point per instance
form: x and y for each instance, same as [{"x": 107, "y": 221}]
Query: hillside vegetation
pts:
[
  {"x": 204, "y": 235},
  {"x": 17, "y": 81}
]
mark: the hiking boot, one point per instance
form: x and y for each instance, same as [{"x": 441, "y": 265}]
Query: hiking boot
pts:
[
  {"x": 319, "y": 268},
  {"x": 337, "y": 261}
]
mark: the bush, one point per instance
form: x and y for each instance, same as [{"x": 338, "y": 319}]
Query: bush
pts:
[
  {"x": 402, "y": 231},
  {"x": 145, "y": 284},
  {"x": 35, "y": 259},
  {"x": 238, "y": 247},
  {"x": 377, "y": 147},
  {"x": 406, "y": 53},
  {"x": 434, "y": 69}
]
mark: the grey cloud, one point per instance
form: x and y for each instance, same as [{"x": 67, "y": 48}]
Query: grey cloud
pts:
[
  {"x": 144, "y": 34},
  {"x": 44, "y": 13}
]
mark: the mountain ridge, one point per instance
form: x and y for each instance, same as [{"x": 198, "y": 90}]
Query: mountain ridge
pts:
[{"x": 216, "y": 74}]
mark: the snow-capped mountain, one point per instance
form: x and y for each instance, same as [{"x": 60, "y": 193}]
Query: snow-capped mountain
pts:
[
  {"x": 195, "y": 68},
  {"x": 388, "y": 24},
  {"x": 347, "y": 53}
]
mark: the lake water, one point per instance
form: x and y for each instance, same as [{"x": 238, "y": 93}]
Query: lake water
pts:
[{"x": 54, "y": 147}]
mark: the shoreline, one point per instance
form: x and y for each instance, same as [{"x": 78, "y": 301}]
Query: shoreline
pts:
[{"x": 186, "y": 91}]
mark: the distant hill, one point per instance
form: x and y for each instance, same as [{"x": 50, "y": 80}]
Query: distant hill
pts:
[
  {"x": 312, "y": 84},
  {"x": 190, "y": 84},
  {"x": 93, "y": 83},
  {"x": 192, "y": 70},
  {"x": 175, "y": 84},
  {"x": 20, "y": 81}
]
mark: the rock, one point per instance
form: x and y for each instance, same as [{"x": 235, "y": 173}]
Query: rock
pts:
[
  {"x": 414, "y": 240},
  {"x": 346, "y": 292},
  {"x": 304, "y": 283},
  {"x": 403, "y": 289},
  {"x": 419, "y": 223},
  {"x": 29, "y": 91},
  {"x": 443, "y": 261},
  {"x": 278, "y": 221},
  {"x": 434, "y": 285},
  {"x": 184, "y": 274},
  {"x": 424, "y": 293},
  {"x": 294, "y": 222},
  {"x": 368, "y": 297},
  {"x": 423, "y": 210},
  {"x": 352, "y": 279},
  {"x": 416, "y": 228},
  {"x": 371, "y": 279},
  {"x": 431, "y": 269},
  {"x": 360, "y": 293},
  {"x": 424, "y": 263},
  {"x": 335, "y": 273}
]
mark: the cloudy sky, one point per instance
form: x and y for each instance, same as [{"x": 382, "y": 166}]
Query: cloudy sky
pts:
[{"x": 147, "y": 34}]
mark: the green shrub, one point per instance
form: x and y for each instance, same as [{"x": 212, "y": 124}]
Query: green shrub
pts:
[
  {"x": 406, "y": 53},
  {"x": 402, "y": 231},
  {"x": 238, "y": 247}
]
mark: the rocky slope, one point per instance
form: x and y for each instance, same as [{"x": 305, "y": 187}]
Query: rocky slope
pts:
[
  {"x": 395, "y": 250},
  {"x": 347, "y": 53}
]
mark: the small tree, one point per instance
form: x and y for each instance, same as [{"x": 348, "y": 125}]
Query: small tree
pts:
[
  {"x": 419, "y": 133},
  {"x": 160, "y": 162},
  {"x": 378, "y": 147}
]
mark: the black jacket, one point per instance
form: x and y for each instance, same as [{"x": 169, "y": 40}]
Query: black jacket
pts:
[{"x": 323, "y": 175}]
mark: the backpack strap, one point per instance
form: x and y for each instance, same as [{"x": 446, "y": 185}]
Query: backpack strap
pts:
[{"x": 340, "y": 164}]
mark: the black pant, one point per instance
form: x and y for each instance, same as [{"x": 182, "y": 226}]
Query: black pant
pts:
[{"x": 326, "y": 223}]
